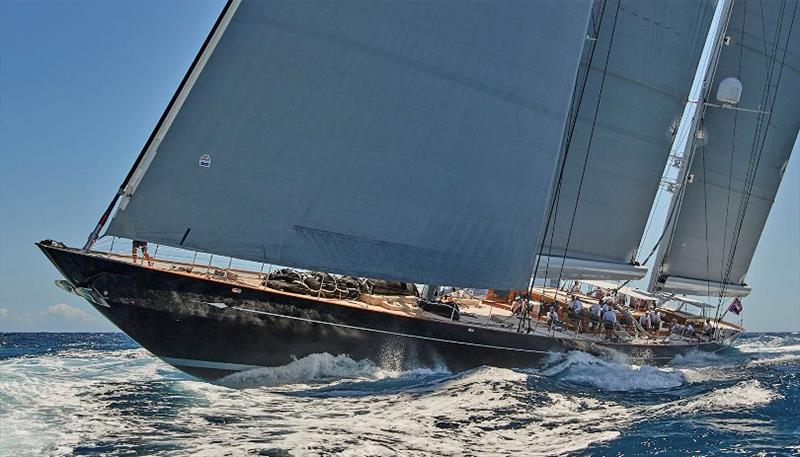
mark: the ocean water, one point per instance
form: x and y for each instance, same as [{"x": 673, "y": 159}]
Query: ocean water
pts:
[{"x": 101, "y": 394}]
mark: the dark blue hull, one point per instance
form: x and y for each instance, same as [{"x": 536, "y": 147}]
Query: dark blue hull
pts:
[{"x": 210, "y": 328}]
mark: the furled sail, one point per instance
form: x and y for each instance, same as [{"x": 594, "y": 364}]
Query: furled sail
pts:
[
  {"x": 640, "y": 74},
  {"x": 403, "y": 140},
  {"x": 734, "y": 177}
]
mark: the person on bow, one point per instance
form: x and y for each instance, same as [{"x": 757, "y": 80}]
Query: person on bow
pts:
[{"x": 136, "y": 245}]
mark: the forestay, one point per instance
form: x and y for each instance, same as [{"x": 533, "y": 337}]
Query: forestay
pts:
[
  {"x": 413, "y": 141},
  {"x": 621, "y": 143},
  {"x": 735, "y": 176}
]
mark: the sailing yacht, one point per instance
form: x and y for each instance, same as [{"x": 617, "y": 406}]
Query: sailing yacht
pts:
[{"x": 515, "y": 147}]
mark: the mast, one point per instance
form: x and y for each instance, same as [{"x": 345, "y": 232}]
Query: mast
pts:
[
  {"x": 683, "y": 145},
  {"x": 148, "y": 151}
]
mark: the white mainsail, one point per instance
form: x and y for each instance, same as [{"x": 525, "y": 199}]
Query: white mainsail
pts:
[
  {"x": 735, "y": 176},
  {"x": 403, "y": 140},
  {"x": 640, "y": 73}
]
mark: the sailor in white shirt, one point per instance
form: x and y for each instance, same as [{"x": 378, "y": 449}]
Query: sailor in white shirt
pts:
[
  {"x": 609, "y": 319},
  {"x": 655, "y": 319},
  {"x": 596, "y": 310},
  {"x": 576, "y": 309},
  {"x": 596, "y": 313},
  {"x": 576, "y": 304},
  {"x": 708, "y": 329},
  {"x": 689, "y": 330},
  {"x": 552, "y": 317}
]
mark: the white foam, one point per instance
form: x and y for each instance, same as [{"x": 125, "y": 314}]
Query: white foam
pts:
[
  {"x": 611, "y": 375},
  {"x": 768, "y": 348},
  {"x": 779, "y": 360},
  {"x": 695, "y": 357},
  {"x": 318, "y": 367},
  {"x": 49, "y": 405},
  {"x": 744, "y": 395},
  {"x": 43, "y": 399},
  {"x": 769, "y": 344}
]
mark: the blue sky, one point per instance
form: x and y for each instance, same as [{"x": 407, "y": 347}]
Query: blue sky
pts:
[{"x": 83, "y": 83}]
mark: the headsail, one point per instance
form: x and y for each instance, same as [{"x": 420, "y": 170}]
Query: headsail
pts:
[
  {"x": 641, "y": 71},
  {"x": 735, "y": 176},
  {"x": 404, "y": 140}
]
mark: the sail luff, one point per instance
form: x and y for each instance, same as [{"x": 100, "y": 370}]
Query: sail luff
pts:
[
  {"x": 179, "y": 98},
  {"x": 145, "y": 156}
]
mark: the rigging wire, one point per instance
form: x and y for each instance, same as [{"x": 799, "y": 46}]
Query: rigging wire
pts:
[
  {"x": 761, "y": 135},
  {"x": 573, "y": 116},
  {"x": 589, "y": 145},
  {"x": 705, "y": 216},
  {"x": 733, "y": 148}
]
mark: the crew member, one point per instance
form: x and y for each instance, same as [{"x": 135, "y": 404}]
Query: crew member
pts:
[
  {"x": 597, "y": 316},
  {"x": 655, "y": 319},
  {"x": 576, "y": 309},
  {"x": 644, "y": 321},
  {"x": 552, "y": 317},
  {"x": 523, "y": 308},
  {"x": 135, "y": 246},
  {"x": 609, "y": 321},
  {"x": 708, "y": 329}
]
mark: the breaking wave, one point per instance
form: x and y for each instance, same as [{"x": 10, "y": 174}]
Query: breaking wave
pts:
[
  {"x": 695, "y": 358},
  {"x": 610, "y": 375},
  {"x": 318, "y": 368},
  {"x": 779, "y": 360},
  {"x": 744, "y": 395}
]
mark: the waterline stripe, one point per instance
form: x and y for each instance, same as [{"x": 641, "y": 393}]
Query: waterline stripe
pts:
[{"x": 207, "y": 364}]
